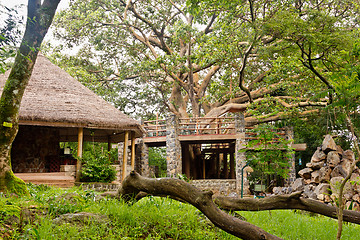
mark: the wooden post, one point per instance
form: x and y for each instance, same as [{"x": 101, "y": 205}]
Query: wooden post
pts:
[
  {"x": 132, "y": 151},
  {"x": 124, "y": 163},
  {"x": 79, "y": 153}
]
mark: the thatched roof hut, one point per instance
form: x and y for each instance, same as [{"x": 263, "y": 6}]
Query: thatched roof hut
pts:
[
  {"x": 54, "y": 99},
  {"x": 57, "y": 108}
]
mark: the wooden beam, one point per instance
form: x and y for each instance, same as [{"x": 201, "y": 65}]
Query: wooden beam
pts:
[
  {"x": 79, "y": 153},
  {"x": 132, "y": 151},
  {"x": 124, "y": 163}
]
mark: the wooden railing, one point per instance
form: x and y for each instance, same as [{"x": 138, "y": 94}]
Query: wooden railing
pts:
[
  {"x": 203, "y": 125},
  {"x": 155, "y": 128}
]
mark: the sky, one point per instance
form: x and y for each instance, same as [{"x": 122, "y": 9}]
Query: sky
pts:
[{"x": 23, "y": 10}]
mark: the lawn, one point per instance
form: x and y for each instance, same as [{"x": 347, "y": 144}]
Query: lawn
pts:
[{"x": 150, "y": 218}]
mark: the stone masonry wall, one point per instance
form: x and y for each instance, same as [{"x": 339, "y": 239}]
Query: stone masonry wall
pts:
[
  {"x": 36, "y": 149},
  {"x": 217, "y": 186},
  {"x": 173, "y": 147}
]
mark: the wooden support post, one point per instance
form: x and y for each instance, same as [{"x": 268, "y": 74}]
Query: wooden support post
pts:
[
  {"x": 124, "y": 163},
  {"x": 79, "y": 153},
  {"x": 132, "y": 151},
  {"x": 232, "y": 164},
  {"x": 226, "y": 168}
]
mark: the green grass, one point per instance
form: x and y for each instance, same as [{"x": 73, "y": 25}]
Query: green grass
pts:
[
  {"x": 288, "y": 224},
  {"x": 149, "y": 218}
]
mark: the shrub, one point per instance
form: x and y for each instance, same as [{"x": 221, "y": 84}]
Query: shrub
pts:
[{"x": 97, "y": 168}]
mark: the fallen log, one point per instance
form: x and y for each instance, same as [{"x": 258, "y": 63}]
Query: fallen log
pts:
[
  {"x": 287, "y": 201},
  {"x": 202, "y": 200}
]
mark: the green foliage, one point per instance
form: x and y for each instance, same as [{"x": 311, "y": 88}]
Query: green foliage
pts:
[
  {"x": 157, "y": 158},
  {"x": 271, "y": 153},
  {"x": 97, "y": 168}
]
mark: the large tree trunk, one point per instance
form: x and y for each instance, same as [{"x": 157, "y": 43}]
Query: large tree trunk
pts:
[{"x": 39, "y": 19}]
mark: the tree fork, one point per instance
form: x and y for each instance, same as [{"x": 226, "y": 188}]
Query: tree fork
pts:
[{"x": 202, "y": 200}]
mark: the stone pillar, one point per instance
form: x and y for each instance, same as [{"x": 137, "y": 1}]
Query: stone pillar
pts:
[
  {"x": 142, "y": 159},
  {"x": 289, "y": 134},
  {"x": 173, "y": 147},
  {"x": 240, "y": 156}
]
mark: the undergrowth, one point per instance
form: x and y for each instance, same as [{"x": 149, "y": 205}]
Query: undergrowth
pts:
[{"x": 33, "y": 217}]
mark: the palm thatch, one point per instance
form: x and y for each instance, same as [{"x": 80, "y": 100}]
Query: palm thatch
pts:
[{"x": 54, "y": 99}]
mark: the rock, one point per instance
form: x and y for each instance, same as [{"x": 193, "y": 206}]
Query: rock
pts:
[
  {"x": 305, "y": 173},
  {"x": 339, "y": 150},
  {"x": 321, "y": 197},
  {"x": 333, "y": 159},
  {"x": 346, "y": 165},
  {"x": 348, "y": 196},
  {"x": 322, "y": 189},
  {"x": 356, "y": 206},
  {"x": 315, "y": 176},
  {"x": 335, "y": 186},
  {"x": 81, "y": 218},
  {"x": 277, "y": 190},
  {"x": 308, "y": 192},
  {"x": 328, "y": 144},
  {"x": 325, "y": 174},
  {"x": 348, "y": 154},
  {"x": 355, "y": 181},
  {"x": 356, "y": 197},
  {"x": 318, "y": 156},
  {"x": 338, "y": 171},
  {"x": 348, "y": 205},
  {"x": 315, "y": 165},
  {"x": 327, "y": 199},
  {"x": 307, "y": 181},
  {"x": 298, "y": 185}
]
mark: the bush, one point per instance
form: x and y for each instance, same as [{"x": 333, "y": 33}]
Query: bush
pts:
[{"x": 97, "y": 168}]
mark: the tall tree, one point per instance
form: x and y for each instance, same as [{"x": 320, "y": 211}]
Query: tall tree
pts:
[
  {"x": 39, "y": 18},
  {"x": 220, "y": 56}
]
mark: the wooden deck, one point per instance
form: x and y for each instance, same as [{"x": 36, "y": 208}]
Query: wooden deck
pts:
[{"x": 58, "y": 179}]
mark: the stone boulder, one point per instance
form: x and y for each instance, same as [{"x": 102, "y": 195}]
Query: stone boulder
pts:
[
  {"x": 325, "y": 174},
  {"x": 305, "y": 173},
  {"x": 338, "y": 171},
  {"x": 318, "y": 156},
  {"x": 298, "y": 185},
  {"x": 333, "y": 159},
  {"x": 315, "y": 176},
  {"x": 335, "y": 187},
  {"x": 328, "y": 144},
  {"x": 321, "y": 190}
]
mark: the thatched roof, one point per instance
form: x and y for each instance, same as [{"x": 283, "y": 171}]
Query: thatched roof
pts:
[{"x": 54, "y": 99}]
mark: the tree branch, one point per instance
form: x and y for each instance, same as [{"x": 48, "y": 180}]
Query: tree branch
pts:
[{"x": 176, "y": 188}]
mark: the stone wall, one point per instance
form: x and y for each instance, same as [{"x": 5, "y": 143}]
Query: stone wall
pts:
[
  {"x": 173, "y": 147},
  {"x": 321, "y": 178},
  {"x": 217, "y": 186},
  {"x": 36, "y": 149}
]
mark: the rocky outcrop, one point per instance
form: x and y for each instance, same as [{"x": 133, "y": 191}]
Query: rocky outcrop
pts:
[{"x": 321, "y": 178}]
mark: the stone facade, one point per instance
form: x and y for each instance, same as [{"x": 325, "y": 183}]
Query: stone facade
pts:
[
  {"x": 142, "y": 159},
  {"x": 240, "y": 155},
  {"x": 289, "y": 133},
  {"x": 36, "y": 150},
  {"x": 173, "y": 147},
  {"x": 217, "y": 186}
]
